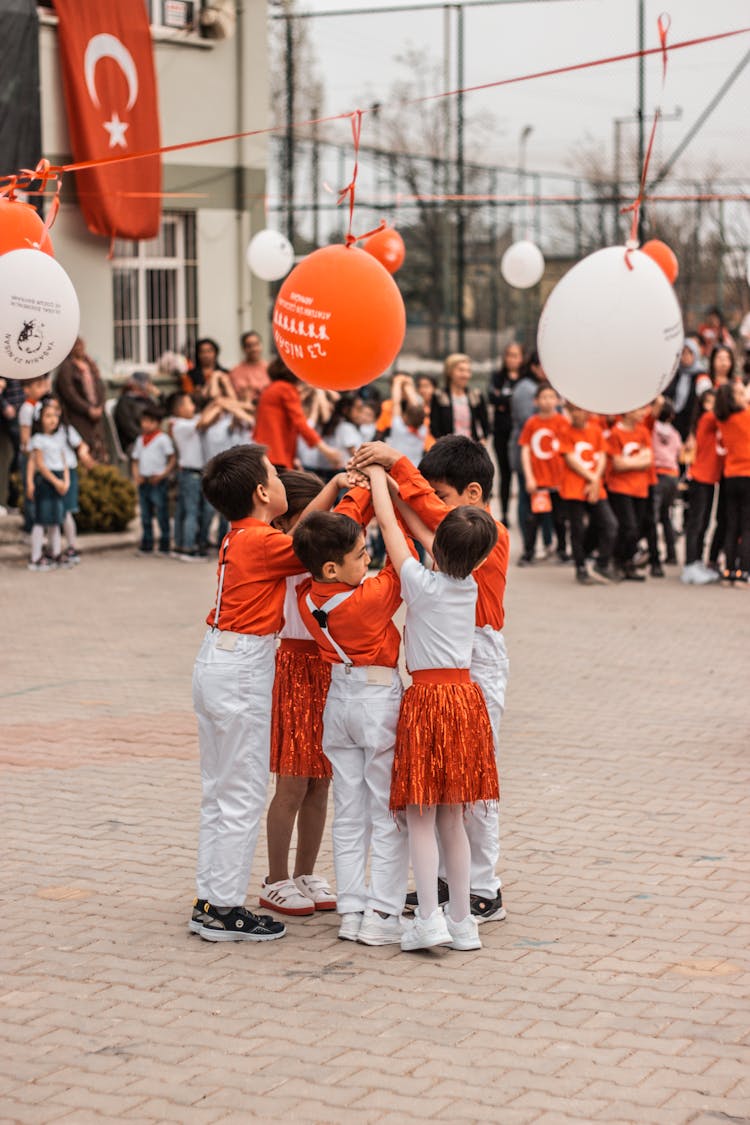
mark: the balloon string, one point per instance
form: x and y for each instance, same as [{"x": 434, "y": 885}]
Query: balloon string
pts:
[
  {"x": 350, "y": 188},
  {"x": 663, "y": 24}
]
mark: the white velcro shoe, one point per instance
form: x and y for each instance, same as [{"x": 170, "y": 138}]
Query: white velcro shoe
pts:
[
  {"x": 464, "y": 934},
  {"x": 285, "y": 897},
  {"x": 317, "y": 889}
]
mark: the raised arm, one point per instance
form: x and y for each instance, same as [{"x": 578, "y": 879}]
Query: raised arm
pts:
[{"x": 395, "y": 541}]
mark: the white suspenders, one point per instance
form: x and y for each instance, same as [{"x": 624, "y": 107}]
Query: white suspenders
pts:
[
  {"x": 223, "y": 561},
  {"x": 321, "y": 617}
]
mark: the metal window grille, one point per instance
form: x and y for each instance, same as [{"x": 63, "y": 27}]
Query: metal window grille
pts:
[
  {"x": 180, "y": 15},
  {"x": 156, "y": 292}
]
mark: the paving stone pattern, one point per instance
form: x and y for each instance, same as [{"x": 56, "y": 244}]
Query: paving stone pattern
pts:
[{"x": 616, "y": 991}]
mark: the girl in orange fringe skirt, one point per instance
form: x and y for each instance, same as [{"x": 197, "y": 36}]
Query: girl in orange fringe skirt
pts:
[
  {"x": 444, "y": 758},
  {"x": 302, "y": 771}
]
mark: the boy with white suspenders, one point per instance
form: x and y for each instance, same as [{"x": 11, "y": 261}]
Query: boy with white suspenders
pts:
[{"x": 350, "y": 616}]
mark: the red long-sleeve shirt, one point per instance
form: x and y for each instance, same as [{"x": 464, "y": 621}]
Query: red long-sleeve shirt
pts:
[{"x": 279, "y": 421}]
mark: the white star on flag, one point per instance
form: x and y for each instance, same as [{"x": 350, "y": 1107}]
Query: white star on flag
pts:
[{"x": 116, "y": 130}]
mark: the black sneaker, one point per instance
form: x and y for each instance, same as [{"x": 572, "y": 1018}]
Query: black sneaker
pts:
[
  {"x": 412, "y": 902},
  {"x": 240, "y": 924},
  {"x": 526, "y": 560},
  {"x": 201, "y": 913},
  {"x": 487, "y": 909},
  {"x": 583, "y": 577},
  {"x": 657, "y": 570},
  {"x": 632, "y": 574}
]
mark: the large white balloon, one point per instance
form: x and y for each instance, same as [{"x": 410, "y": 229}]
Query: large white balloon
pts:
[
  {"x": 610, "y": 336},
  {"x": 270, "y": 255},
  {"x": 522, "y": 264},
  {"x": 39, "y": 314}
]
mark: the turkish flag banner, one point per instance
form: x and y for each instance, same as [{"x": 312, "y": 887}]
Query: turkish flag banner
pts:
[{"x": 110, "y": 95}]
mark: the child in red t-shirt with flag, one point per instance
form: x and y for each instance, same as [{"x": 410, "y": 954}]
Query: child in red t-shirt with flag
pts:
[
  {"x": 584, "y": 459},
  {"x": 542, "y": 469},
  {"x": 629, "y": 475}
]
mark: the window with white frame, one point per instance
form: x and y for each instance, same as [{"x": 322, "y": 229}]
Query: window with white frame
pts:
[
  {"x": 181, "y": 15},
  {"x": 156, "y": 292}
]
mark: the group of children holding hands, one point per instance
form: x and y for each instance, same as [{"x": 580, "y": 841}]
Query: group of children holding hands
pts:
[
  {"x": 611, "y": 482},
  {"x": 414, "y": 773}
]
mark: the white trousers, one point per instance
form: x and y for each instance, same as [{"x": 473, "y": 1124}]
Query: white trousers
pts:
[
  {"x": 359, "y": 734},
  {"x": 489, "y": 669},
  {"x": 232, "y": 701}
]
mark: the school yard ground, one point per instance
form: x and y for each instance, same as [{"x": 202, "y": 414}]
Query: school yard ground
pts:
[{"x": 615, "y": 991}]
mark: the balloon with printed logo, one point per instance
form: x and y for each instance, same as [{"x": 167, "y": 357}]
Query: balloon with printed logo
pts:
[
  {"x": 270, "y": 255},
  {"x": 610, "y": 334},
  {"x": 339, "y": 319},
  {"x": 387, "y": 246},
  {"x": 522, "y": 264},
  {"x": 39, "y": 314},
  {"x": 21, "y": 228},
  {"x": 664, "y": 257}
]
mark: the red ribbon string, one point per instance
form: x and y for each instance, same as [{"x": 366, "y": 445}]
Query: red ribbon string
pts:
[
  {"x": 350, "y": 188},
  {"x": 663, "y": 24},
  {"x": 351, "y": 238}
]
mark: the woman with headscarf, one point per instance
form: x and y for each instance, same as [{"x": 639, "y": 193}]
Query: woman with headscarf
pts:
[
  {"x": 682, "y": 390},
  {"x": 82, "y": 394}
]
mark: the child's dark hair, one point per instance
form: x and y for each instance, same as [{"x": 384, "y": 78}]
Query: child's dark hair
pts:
[
  {"x": 175, "y": 399},
  {"x": 543, "y": 386},
  {"x": 44, "y": 403},
  {"x": 342, "y": 409},
  {"x": 459, "y": 461},
  {"x": 301, "y": 488},
  {"x": 413, "y": 412},
  {"x": 279, "y": 372},
  {"x": 231, "y": 478},
  {"x": 151, "y": 410},
  {"x": 463, "y": 539},
  {"x": 666, "y": 414},
  {"x": 726, "y": 402},
  {"x": 324, "y": 537}
]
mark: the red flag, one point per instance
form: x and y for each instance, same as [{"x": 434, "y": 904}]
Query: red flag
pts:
[{"x": 110, "y": 94}]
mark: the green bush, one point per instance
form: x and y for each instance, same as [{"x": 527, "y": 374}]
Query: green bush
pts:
[{"x": 106, "y": 499}]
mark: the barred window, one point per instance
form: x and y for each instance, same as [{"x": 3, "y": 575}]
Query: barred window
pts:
[{"x": 156, "y": 292}]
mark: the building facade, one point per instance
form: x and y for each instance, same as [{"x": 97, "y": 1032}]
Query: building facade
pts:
[{"x": 141, "y": 299}]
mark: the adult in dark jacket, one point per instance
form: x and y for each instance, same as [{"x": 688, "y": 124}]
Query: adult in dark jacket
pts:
[
  {"x": 82, "y": 394},
  {"x": 137, "y": 393},
  {"x": 458, "y": 408},
  {"x": 500, "y": 392}
]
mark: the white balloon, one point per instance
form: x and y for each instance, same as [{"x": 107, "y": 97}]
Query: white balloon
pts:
[
  {"x": 610, "y": 336},
  {"x": 270, "y": 255},
  {"x": 522, "y": 264},
  {"x": 39, "y": 314}
]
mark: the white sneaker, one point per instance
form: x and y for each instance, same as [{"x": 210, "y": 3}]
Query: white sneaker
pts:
[
  {"x": 705, "y": 574},
  {"x": 465, "y": 934},
  {"x": 426, "y": 933},
  {"x": 285, "y": 897},
  {"x": 380, "y": 931},
  {"x": 350, "y": 926},
  {"x": 689, "y": 574},
  {"x": 318, "y": 890}
]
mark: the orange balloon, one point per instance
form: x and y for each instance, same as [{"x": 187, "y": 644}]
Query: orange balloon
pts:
[
  {"x": 339, "y": 319},
  {"x": 664, "y": 257},
  {"x": 388, "y": 247},
  {"x": 22, "y": 229}
]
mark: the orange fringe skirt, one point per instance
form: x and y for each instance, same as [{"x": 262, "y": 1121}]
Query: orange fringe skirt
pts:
[
  {"x": 300, "y": 688},
  {"x": 444, "y": 751}
]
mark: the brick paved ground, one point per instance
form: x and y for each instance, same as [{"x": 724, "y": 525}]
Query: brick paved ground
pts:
[{"x": 617, "y": 989}]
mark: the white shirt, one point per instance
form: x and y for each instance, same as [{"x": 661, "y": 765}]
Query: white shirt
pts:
[
  {"x": 224, "y": 434},
  {"x": 440, "y": 611},
  {"x": 408, "y": 441},
  {"x": 51, "y": 449},
  {"x": 294, "y": 627},
  {"x": 187, "y": 439},
  {"x": 312, "y": 459},
  {"x": 69, "y": 440},
  {"x": 152, "y": 458},
  {"x": 345, "y": 437}
]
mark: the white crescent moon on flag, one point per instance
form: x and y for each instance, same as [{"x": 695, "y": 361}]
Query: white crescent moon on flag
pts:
[
  {"x": 109, "y": 47},
  {"x": 536, "y": 444}
]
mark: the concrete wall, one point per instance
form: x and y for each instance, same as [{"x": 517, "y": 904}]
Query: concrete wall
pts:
[{"x": 206, "y": 89}]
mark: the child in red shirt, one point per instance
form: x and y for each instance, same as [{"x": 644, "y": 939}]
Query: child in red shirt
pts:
[
  {"x": 704, "y": 474},
  {"x": 627, "y": 481},
  {"x": 584, "y": 457},
  {"x": 733, "y": 415},
  {"x": 542, "y": 468}
]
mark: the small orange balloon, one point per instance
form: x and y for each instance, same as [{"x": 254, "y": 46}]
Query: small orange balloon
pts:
[
  {"x": 22, "y": 229},
  {"x": 388, "y": 247},
  {"x": 339, "y": 319},
  {"x": 664, "y": 257}
]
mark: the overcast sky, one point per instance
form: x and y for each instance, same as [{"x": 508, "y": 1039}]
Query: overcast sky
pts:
[{"x": 356, "y": 56}]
